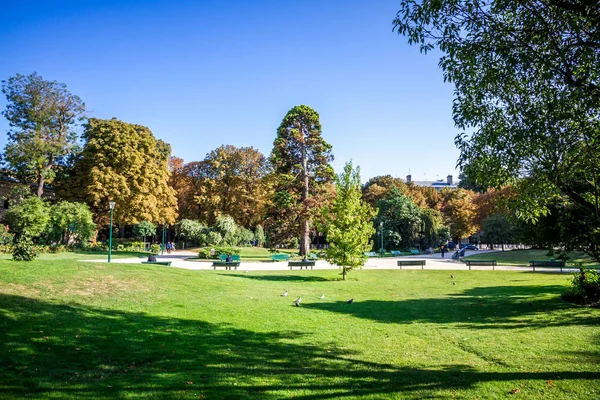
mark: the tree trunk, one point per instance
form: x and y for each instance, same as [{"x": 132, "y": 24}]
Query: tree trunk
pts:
[
  {"x": 40, "y": 187},
  {"x": 122, "y": 231},
  {"x": 344, "y": 272},
  {"x": 305, "y": 239}
]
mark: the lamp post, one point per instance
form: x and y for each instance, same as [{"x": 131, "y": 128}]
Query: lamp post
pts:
[
  {"x": 162, "y": 247},
  {"x": 112, "y": 207},
  {"x": 381, "y": 251}
]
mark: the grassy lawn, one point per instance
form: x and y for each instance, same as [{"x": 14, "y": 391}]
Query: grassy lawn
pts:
[
  {"x": 522, "y": 257},
  {"x": 83, "y": 330},
  {"x": 255, "y": 253}
]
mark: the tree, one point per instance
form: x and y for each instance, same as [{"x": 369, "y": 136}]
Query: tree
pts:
[
  {"x": 460, "y": 213},
  {"x": 528, "y": 91},
  {"x": 124, "y": 163},
  {"x": 497, "y": 228},
  {"x": 144, "y": 229},
  {"x": 70, "y": 223},
  {"x": 42, "y": 116},
  {"x": 300, "y": 160},
  {"x": 189, "y": 230},
  {"x": 348, "y": 223},
  {"x": 402, "y": 220},
  {"x": 259, "y": 235},
  {"x": 29, "y": 218}
]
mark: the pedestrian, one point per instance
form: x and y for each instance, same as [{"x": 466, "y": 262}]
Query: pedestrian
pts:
[
  {"x": 443, "y": 250},
  {"x": 169, "y": 248}
]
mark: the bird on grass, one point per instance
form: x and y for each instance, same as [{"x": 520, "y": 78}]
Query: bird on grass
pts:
[
  {"x": 452, "y": 276},
  {"x": 297, "y": 302},
  {"x": 350, "y": 301},
  {"x": 323, "y": 296},
  {"x": 285, "y": 293},
  {"x": 454, "y": 283}
]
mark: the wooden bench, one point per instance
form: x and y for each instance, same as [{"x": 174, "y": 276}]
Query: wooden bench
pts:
[
  {"x": 280, "y": 257},
  {"x": 396, "y": 253},
  {"x": 547, "y": 263},
  {"x": 481, "y": 262},
  {"x": 371, "y": 254},
  {"x": 301, "y": 264},
  {"x": 415, "y": 252},
  {"x": 234, "y": 257},
  {"x": 226, "y": 264},
  {"x": 157, "y": 262},
  {"x": 402, "y": 263}
]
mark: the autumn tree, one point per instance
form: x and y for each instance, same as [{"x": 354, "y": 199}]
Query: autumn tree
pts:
[
  {"x": 378, "y": 188},
  {"x": 43, "y": 117},
  {"x": 301, "y": 176},
  {"x": 348, "y": 223},
  {"x": 124, "y": 163},
  {"x": 459, "y": 213}
]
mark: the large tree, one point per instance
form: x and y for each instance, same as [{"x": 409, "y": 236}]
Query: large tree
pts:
[
  {"x": 348, "y": 223},
  {"x": 401, "y": 220},
  {"x": 302, "y": 173},
  {"x": 124, "y": 163},
  {"x": 43, "y": 117},
  {"x": 527, "y": 95}
]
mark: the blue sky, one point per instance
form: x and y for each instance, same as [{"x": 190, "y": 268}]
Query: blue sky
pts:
[{"x": 201, "y": 74}]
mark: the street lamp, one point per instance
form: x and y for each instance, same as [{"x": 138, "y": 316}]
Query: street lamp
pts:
[
  {"x": 112, "y": 207},
  {"x": 381, "y": 251},
  {"x": 162, "y": 248}
]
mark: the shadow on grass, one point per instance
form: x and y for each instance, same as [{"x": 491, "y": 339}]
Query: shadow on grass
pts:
[
  {"x": 283, "y": 278},
  {"x": 477, "y": 308},
  {"x": 76, "y": 351}
]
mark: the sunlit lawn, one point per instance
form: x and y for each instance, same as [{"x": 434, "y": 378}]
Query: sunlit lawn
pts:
[
  {"x": 522, "y": 257},
  {"x": 92, "y": 330},
  {"x": 257, "y": 253}
]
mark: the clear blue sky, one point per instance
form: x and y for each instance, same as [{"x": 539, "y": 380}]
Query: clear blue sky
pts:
[{"x": 201, "y": 74}]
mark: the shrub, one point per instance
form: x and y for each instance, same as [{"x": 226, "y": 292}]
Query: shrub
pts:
[
  {"x": 155, "y": 248},
  {"x": 24, "y": 250},
  {"x": 205, "y": 252},
  {"x": 585, "y": 287}
]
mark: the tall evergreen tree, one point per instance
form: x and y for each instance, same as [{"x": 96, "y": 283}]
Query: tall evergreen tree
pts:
[{"x": 300, "y": 160}]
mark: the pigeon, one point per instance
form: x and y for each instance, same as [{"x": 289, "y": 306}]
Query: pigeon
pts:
[
  {"x": 297, "y": 302},
  {"x": 285, "y": 293},
  {"x": 323, "y": 296},
  {"x": 350, "y": 301},
  {"x": 454, "y": 283},
  {"x": 452, "y": 276}
]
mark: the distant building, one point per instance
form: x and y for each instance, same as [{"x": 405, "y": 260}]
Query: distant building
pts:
[
  {"x": 437, "y": 185},
  {"x": 7, "y": 183}
]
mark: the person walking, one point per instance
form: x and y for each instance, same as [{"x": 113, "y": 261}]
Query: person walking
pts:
[{"x": 442, "y": 250}]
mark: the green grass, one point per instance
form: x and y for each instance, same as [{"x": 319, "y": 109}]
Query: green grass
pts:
[
  {"x": 89, "y": 330},
  {"x": 257, "y": 253},
  {"x": 522, "y": 257}
]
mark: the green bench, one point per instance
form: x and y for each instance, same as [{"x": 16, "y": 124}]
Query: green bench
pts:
[
  {"x": 481, "y": 263},
  {"x": 280, "y": 257},
  {"x": 301, "y": 264},
  {"x": 396, "y": 253},
  {"x": 402, "y": 263},
  {"x": 234, "y": 257},
  {"x": 547, "y": 263},
  {"x": 226, "y": 264},
  {"x": 415, "y": 252},
  {"x": 157, "y": 262},
  {"x": 371, "y": 254}
]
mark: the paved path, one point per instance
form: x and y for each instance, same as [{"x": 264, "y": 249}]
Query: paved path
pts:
[{"x": 179, "y": 259}]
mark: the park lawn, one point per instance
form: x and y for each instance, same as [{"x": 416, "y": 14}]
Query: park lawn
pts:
[
  {"x": 95, "y": 330},
  {"x": 522, "y": 257},
  {"x": 255, "y": 253}
]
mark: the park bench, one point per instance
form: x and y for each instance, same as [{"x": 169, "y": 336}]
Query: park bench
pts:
[
  {"x": 403, "y": 263},
  {"x": 370, "y": 254},
  {"x": 157, "y": 262},
  {"x": 481, "y": 263},
  {"x": 547, "y": 263},
  {"x": 301, "y": 264},
  {"x": 226, "y": 264},
  {"x": 234, "y": 257},
  {"x": 416, "y": 252},
  {"x": 396, "y": 253},
  {"x": 280, "y": 257}
]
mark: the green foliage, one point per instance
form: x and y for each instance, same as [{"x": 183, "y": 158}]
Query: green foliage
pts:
[
  {"x": 243, "y": 237},
  {"x": 24, "y": 249},
  {"x": 259, "y": 235},
  {"x": 585, "y": 287},
  {"x": 213, "y": 238},
  {"x": 70, "y": 223},
  {"x": 29, "y": 218},
  {"x": 190, "y": 230},
  {"x": 402, "y": 222},
  {"x": 205, "y": 253},
  {"x": 155, "y": 248},
  {"x": 144, "y": 229},
  {"x": 43, "y": 116},
  {"x": 347, "y": 222},
  {"x": 228, "y": 230},
  {"x": 498, "y": 228},
  {"x": 124, "y": 163}
]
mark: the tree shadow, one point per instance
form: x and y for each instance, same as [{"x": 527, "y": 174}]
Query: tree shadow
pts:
[
  {"x": 493, "y": 307},
  {"x": 281, "y": 278},
  {"x": 78, "y": 351}
]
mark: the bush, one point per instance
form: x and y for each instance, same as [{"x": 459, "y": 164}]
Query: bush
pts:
[
  {"x": 24, "y": 250},
  {"x": 155, "y": 248},
  {"x": 585, "y": 287},
  {"x": 205, "y": 252}
]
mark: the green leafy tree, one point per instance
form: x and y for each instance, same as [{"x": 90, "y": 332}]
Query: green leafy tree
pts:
[
  {"x": 497, "y": 228},
  {"x": 259, "y": 235},
  {"x": 402, "y": 220},
  {"x": 527, "y": 96},
  {"x": 300, "y": 160},
  {"x": 228, "y": 230},
  {"x": 144, "y": 229},
  {"x": 28, "y": 218},
  {"x": 189, "y": 230},
  {"x": 124, "y": 163},
  {"x": 43, "y": 116},
  {"x": 348, "y": 223},
  {"x": 70, "y": 223}
]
